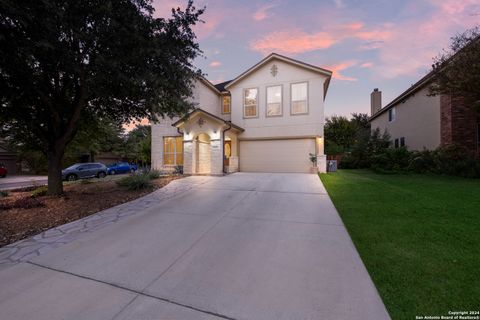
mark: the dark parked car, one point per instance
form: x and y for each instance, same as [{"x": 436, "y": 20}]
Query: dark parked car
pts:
[
  {"x": 3, "y": 171},
  {"x": 121, "y": 167},
  {"x": 84, "y": 170}
]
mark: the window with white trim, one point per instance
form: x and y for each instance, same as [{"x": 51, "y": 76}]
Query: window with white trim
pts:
[
  {"x": 299, "y": 96},
  {"x": 391, "y": 114},
  {"x": 274, "y": 101},
  {"x": 226, "y": 100},
  {"x": 250, "y": 102},
  {"x": 173, "y": 151}
]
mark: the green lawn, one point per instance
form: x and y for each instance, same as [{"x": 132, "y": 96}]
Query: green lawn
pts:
[{"x": 418, "y": 235}]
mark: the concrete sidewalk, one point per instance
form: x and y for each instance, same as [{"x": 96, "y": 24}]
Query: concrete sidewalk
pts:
[{"x": 244, "y": 246}]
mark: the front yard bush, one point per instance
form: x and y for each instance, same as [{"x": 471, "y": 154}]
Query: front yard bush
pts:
[
  {"x": 391, "y": 160},
  {"x": 153, "y": 174},
  {"x": 136, "y": 182},
  {"x": 449, "y": 160},
  {"x": 39, "y": 192}
]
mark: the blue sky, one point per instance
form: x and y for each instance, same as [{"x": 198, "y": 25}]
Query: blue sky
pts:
[{"x": 367, "y": 44}]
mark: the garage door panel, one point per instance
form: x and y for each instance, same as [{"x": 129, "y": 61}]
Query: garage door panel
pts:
[{"x": 276, "y": 155}]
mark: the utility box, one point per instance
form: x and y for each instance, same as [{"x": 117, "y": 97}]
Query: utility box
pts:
[{"x": 331, "y": 165}]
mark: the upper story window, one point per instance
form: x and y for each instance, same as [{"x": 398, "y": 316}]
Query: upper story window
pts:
[
  {"x": 250, "y": 103},
  {"x": 274, "y": 101},
  {"x": 299, "y": 94},
  {"x": 226, "y": 101},
  {"x": 391, "y": 114}
]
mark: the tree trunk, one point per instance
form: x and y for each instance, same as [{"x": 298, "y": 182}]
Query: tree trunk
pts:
[{"x": 55, "y": 183}]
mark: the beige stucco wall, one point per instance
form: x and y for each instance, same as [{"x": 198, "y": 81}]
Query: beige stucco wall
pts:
[
  {"x": 204, "y": 98},
  {"x": 286, "y": 125},
  {"x": 417, "y": 119}
]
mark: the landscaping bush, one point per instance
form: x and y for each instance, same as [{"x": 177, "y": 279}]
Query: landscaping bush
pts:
[
  {"x": 3, "y": 194},
  {"x": 449, "y": 160},
  {"x": 422, "y": 161},
  {"x": 178, "y": 170},
  {"x": 39, "y": 192},
  {"x": 391, "y": 160},
  {"x": 136, "y": 182},
  {"x": 153, "y": 174}
]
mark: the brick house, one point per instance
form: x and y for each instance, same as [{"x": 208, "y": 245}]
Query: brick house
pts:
[{"x": 419, "y": 121}]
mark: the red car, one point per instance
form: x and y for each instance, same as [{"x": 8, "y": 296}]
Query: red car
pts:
[{"x": 3, "y": 171}]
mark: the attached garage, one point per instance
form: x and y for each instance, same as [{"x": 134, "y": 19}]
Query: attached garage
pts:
[{"x": 286, "y": 155}]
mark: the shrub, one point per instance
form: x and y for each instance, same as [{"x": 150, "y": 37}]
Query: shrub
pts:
[
  {"x": 153, "y": 174},
  {"x": 39, "y": 192},
  {"x": 86, "y": 181},
  {"x": 422, "y": 161},
  {"x": 178, "y": 169},
  {"x": 136, "y": 182},
  {"x": 3, "y": 194},
  {"x": 391, "y": 160}
]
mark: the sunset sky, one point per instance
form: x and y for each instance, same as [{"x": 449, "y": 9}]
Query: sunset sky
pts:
[{"x": 367, "y": 44}]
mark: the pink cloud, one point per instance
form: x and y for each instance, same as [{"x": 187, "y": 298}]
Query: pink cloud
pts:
[
  {"x": 215, "y": 64},
  {"x": 366, "y": 65},
  {"x": 292, "y": 42},
  {"x": 412, "y": 43},
  {"x": 298, "y": 41},
  {"x": 263, "y": 12},
  {"x": 338, "y": 67},
  {"x": 132, "y": 125}
]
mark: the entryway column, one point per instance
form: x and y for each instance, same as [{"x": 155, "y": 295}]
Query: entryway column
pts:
[
  {"x": 188, "y": 158},
  {"x": 217, "y": 155}
]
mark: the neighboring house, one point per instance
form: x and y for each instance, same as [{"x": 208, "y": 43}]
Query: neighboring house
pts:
[
  {"x": 268, "y": 119},
  {"x": 419, "y": 121}
]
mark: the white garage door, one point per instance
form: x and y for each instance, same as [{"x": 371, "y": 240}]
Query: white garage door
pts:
[{"x": 276, "y": 155}]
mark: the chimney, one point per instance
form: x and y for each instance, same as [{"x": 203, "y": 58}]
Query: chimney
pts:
[{"x": 375, "y": 101}]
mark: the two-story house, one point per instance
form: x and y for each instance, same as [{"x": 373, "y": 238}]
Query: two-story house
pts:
[
  {"x": 268, "y": 119},
  {"x": 418, "y": 120}
]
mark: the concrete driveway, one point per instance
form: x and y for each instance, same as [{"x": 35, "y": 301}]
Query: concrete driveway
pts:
[{"x": 245, "y": 246}]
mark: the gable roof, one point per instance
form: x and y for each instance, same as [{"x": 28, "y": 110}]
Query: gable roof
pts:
[
  {"x": 291, "y": 61},
  {"x": 420, "y": 84},
  {"x": 210, "y": 85},
  {"x": 198, "y": 110},
  {"x": 221, "y": 86}
]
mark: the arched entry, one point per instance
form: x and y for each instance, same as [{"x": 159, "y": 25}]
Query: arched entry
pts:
[{"x": 203, "y": 154}]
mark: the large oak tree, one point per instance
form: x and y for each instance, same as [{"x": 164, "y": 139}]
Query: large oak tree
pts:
[
  {"x": 457, "y": 70},
  {"x": 63, "y": 61}
]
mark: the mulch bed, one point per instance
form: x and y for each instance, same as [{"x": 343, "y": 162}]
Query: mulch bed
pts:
[{"x": 79, "y": 200}]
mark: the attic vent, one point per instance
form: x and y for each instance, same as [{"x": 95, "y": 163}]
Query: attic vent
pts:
[{"x": 274, "y": 70}]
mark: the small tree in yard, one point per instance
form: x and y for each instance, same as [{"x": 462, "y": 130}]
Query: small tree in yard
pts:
[
  {"x": 457, "y": 71},
  {"x": 65, "y": 61}
]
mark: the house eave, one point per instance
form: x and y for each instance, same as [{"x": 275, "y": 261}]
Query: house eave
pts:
[
  {"x": 291, "y": 61},
  {"x": 179, "y": 123}
]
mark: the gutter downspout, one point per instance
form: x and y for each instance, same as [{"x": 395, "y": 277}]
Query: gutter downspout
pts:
[{"x": 223, "y": 145}]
